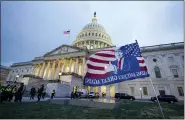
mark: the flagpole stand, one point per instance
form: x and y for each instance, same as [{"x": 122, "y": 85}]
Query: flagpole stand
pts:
[{"x": 157, "y": 98}]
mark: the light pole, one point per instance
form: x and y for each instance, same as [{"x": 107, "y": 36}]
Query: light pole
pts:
[
  {"x": 59, "y": 75},
  {"x": 17, "y": 76},
  {"x": 140, "y": 92}
]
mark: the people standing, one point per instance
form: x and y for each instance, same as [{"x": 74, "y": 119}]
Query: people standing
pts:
[
  {"x": 52, "y": 94},
  {"x": 32, "y": 93},
  {"x": 20, "y": 92},
  {"x": 2, "y": 94},
  {"x": 43, "y": 93},
  {"x": 14, "y": 91},
  {"x": 40, "y": 90}
]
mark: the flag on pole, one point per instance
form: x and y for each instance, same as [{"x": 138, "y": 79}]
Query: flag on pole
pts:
[
  {"x": 67, "y": 32},
  {"x": 115, "y": 65}
]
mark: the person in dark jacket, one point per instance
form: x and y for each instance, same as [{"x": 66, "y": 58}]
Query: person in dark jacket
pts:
[
  {"x": 52, "y": 94},
  {"x": 19, "y": 93},
  {"x": 2, "y": 94},
  {"x": 32, "y": 93},
  {"x": 40, "y": 90},
  {"x": 11, "y": 94},
  {"x": 43, "y": 94}
]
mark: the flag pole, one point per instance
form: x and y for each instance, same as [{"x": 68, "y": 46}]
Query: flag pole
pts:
[
  {"x": 157, "y": 98},
  {"x": 155, "y": 94}
]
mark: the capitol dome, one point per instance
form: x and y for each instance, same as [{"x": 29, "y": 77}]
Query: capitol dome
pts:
[{"x": 92, "y": 36}]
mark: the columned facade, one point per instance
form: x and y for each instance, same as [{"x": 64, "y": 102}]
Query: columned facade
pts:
[{"x": 50, "y": 70}]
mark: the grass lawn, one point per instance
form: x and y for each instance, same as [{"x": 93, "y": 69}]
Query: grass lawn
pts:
[{"x": 126, "y": 109}]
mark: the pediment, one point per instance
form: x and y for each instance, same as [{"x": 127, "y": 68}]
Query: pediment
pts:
[{"x": 64, "y": 49}]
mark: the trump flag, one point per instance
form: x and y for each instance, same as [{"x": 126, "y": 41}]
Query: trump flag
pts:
[{"x": 113, "y": 65}]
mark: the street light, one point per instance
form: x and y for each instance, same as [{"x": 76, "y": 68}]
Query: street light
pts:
[
  {"x": 17, "y": 76},
  {"x": 141, "y": 93},
  {"x": 59, "y": 75}
]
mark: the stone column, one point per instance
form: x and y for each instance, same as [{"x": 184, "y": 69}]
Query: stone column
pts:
[
  {"x": 63, "y": 67},
  {"x": 99, "y": 91},
  {"x": 52, "y": 70},
  {"x": 89, "y": 44},
  {"x": 108, "y": 91},
  {"x": 70, "y": 64},
  {"x": 83, "y": 67},
  {"x": 46, "y": 71},
  {"x": 85, "y": 44},
  {"x": 43, "y": 68},
  {"x": 91, "y": 89},
  {"x": 58, "y": 69},
  {"x": 116, "y": 88},
  {"x": 94, "y": 44},
  {"x": 76, "y": 66},
  {"x": 39, "y": 71}
]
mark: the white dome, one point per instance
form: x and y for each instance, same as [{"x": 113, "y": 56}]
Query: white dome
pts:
[
  {"x": 94, "y": 26},
  {"x": 92, "y": 36}
]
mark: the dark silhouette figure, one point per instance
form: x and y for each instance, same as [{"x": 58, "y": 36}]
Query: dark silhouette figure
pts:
[
  {"x": 32, "y": 93},
  {"x": 19, "y": 93},
  {"x": 52, "y": 94},
  {"x": 40, "y": 90}
]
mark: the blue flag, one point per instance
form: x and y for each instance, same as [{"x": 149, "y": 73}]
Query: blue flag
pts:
[{"x": 111, "y": 66}]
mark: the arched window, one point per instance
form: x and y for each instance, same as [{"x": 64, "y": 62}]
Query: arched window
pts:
[
  {"x": 102, "y": 36},
  {"x": 85, "y": 34},
  {"x": 89, "y": 34},
  {"x": 99, "y": 35},
  {"x": 96, "y": 34},
  {"x": 92, "y": 34},
  {"x": 157, "y": 72}
]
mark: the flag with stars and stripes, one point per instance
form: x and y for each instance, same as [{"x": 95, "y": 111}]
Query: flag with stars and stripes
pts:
[{"x": 113, "y": 65}]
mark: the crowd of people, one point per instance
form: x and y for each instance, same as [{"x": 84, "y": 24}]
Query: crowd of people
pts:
[{"x": 10, "y": 92}]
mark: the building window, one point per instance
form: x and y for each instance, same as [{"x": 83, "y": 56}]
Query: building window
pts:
[
  {"x": 180, "y": 91},
  {"x": 99, "y": 35},
  {"x": 183, "y": 58},
  {"x": 96, "y": 34},
  {"x": 132, "y": 90},
  {"x": 82, "y": 35},
  {"x": 162, "y": 92},
  {"x": 102, "y": 36},
  {"x": 170, "y": 59},
  {"x": 175, "y": 73},
  {"x": 89, "y": 34},
  {"x": 157, "y": 72},
  {"x": 85, "y": 34},
  {"x": 92, "y": 34},
  {"x": 22, "y": 70},
  {"x": 145, "y": 92}
]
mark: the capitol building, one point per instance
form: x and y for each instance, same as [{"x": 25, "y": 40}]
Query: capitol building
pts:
[{"x": 65, "y": 66}]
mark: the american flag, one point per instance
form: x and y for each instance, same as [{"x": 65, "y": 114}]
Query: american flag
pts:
[
  {"x": 67, "y": 32},
  {"x": 96, "y": 64},
  {"x": 134, "y": 50}
]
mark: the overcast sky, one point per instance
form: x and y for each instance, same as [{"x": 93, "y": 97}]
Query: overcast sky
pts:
[{"x": 30, "y": 29}]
